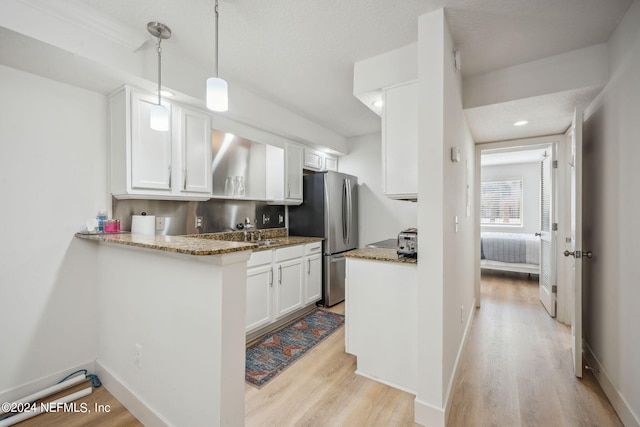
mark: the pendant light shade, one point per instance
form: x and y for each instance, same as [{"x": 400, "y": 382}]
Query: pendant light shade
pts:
[
  {"x": 217, "y": 88},
  {"x": 217, "y": 94},
  {"x": 159, "y": 114}
]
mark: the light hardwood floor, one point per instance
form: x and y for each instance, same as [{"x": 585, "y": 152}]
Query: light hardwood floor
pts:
[
  {"x": 516, "y": 367},
  {"x": 515, "y": 370}
]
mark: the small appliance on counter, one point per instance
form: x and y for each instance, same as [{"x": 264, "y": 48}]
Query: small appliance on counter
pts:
[{"x": 408, "y": 243}]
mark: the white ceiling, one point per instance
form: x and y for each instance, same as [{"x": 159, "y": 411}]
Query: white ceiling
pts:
[{"x": 300, "y": 53}]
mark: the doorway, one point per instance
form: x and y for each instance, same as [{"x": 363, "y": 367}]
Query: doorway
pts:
[{"x": 520, "y": 198}]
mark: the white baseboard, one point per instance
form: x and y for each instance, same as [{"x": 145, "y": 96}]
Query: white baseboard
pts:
[
  {"x": 428, "y": 415},
  {"x": 619, "y": 403},
  {"x": 42, "y": 383},
  {"x": 129, "y": 400},
  {"x": 456, "y": 371},
  {"x": 381, "y": 381}
]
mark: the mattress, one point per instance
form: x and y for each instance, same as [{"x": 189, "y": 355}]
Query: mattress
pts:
[{"x": 519, "y": 248}]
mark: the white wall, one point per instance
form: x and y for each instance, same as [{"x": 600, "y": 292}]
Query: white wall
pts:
[
  {"x": 530, "y": 174},
  {"x": 379, "y": 217},
  {"x": 611, "y": 210},
  {"x": 447, "y": 258},
  {"x": 52, "y": 178}
]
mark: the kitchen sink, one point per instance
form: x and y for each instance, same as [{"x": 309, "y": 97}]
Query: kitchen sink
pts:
[{"x": 267, "y": 242}]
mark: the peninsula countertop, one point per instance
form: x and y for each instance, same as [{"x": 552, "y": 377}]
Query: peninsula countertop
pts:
[
  {"x": 379, "y": 254},
  {"x": 202, "y": 244}
]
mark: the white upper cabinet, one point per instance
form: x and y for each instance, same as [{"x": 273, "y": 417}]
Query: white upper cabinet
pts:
[
  {"x": 313, "y": 160},
  {"x": 293, "y": 171},
  {"x": 400, "y": 142},
  {"x": 195, "y": 151},
  {"x": 149, "y": 164},
  {"x": 150, "y": 149},
  {"x": 318, "y": 161}
]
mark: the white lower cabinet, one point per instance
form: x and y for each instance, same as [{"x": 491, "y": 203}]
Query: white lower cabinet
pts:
[
  {"x": 313, "y": 272},
  {"x": 282, "y": 281},
  {"x": 289, "y": 292}
]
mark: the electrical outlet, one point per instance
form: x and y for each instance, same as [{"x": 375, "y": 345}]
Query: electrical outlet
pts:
[
  {"x": 159, "y": 223},
  {"x": 198, "y": 222},
  {"x": 138, "y": 358}
]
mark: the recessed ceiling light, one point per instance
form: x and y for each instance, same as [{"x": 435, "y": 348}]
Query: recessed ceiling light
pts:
[
  {"x": 520, "y": 123},
  {"x": 377, "y": 103}
]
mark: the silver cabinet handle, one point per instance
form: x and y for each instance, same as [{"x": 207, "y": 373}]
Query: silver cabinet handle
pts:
[
  {"x": 288, "y": 189},
  {"x": 280, "y": 275},
  {"x": 271, "y": 278},
  {"x": 169, "y": 169},
  {"x": 308, "y": 266},
  {"x": 184, "y": 179}
]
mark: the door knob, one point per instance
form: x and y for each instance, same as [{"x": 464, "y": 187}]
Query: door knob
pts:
[
  {"x": 578, "y": 254},
  {"x": 538, "y": 234}
]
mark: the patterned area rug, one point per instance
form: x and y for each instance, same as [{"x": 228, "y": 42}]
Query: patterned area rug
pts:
[{"x": 276, "y": 351}]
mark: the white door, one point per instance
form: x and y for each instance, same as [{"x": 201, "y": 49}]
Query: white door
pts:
[
  {"x": 574, "y": 252},
  {"x": 289, "y": 292},
  {"x": 259, "y": 287},
  {"x": 150, "y": 149},
  {"x": 547, "y": 235},
  {"x": 195, "y": 128},
  {"x": 313, "y": 278}
]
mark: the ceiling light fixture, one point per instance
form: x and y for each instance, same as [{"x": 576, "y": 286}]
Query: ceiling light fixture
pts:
[
  {"x": 520, "y": 123},
  {"x": 217, "y": 89},
  {"x": 159, "y": 114}
]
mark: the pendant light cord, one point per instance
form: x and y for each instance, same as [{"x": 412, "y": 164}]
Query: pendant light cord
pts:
[
  {"x": 216, "y": 44},
  {"x": 159, "y": 50}
]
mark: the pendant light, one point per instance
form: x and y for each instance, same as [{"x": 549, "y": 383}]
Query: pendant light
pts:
[
  {"x": 159, "y": 114},
  {"x": 217, "y": 89}
]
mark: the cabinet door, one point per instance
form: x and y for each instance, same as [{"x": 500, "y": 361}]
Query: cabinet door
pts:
[
  {"x": 150, "y": 149},
  {"x": 259, "y": 300},
  {"x": 295, "y": 158},
  {"x": 331, "y": 163},
  {"x": 195, "y": 147},
  {"x": 313, "y": 278},
  {"x": 400, "y": 141},
  {"x": 289, "y": 286},
  {"x": 313, "y": 160}
]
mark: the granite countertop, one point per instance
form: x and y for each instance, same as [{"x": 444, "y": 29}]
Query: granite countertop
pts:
[
  {"x": 379, "y": 254},
  {"x": 202, "y": 244},
  {"x": 276, "y": 235}
]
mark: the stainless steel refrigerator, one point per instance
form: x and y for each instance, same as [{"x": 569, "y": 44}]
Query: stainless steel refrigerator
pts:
[{"x": 330, "y": 210}]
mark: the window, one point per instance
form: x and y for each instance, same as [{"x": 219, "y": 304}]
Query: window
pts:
[{"x": 501, "y": 202}]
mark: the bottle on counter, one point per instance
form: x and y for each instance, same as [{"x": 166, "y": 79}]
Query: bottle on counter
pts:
[{"x": 102, "y": 216}]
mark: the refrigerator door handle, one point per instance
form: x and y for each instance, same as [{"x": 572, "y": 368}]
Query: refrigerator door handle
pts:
[
  {"x": 345, "y": 211},
  {"x": 350, "y": 212}
]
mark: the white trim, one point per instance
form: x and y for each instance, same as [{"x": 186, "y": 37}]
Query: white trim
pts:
[
  {"x": 619, "y": 403},
  {"x": 427, "y": 415},
  {"x": 84, "y": 17},
  {"x": 129, "y": 400},
  {"x": 456, "y": 371},
  {"x": 385, "y": 382},
  {"x": 44, "y": 382}
]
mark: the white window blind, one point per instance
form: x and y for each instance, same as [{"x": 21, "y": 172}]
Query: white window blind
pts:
[{"x": 501, "y": 202}]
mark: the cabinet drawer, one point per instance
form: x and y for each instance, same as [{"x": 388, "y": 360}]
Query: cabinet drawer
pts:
[
  {"x": 289, "y": 253},
  {"x": 313, "y": 248},
  {"x": 260, "y": 258}
]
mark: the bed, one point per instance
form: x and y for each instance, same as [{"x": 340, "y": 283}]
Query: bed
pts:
[{"x": 517, "y": 252}]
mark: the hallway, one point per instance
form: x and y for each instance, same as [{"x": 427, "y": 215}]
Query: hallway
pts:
[{"x": 516, "y": 370}]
